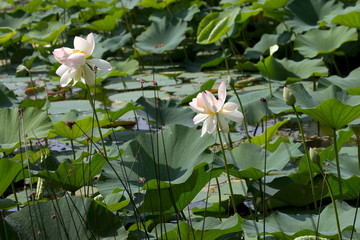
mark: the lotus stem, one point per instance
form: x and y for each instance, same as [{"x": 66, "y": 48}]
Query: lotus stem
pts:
[
  {"x": 97, "y": 121},
  {"x": 242, "y": 110},
  {"x": 226, "y": 169},
  {"x": 337, "y": 164},
  {"x": 219, "y": 192},
  {"x": 333, "y": 202},
  {"x": 307, "y": 156},
  {"x": 335, "y": 65},
  {"x": 268, "y": 77},
  {"x": 357, "y": 201}
]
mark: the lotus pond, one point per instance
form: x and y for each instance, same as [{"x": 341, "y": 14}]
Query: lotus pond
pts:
[{"x": 146, "y": 119}]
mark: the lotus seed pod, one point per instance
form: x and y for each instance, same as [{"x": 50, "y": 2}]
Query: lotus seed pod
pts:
[
  {"x": 289, "y": 97},
  {"x": 314, "y": 156}
]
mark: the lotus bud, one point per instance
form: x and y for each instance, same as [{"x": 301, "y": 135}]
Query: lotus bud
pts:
[
  {"x": 231, "y": 82},
  {"x": 356, "y": 129},
  {"x": 288, "y": 97},
  {"x": 273, "y": 49},
  {"x": 314, "y": 156}
]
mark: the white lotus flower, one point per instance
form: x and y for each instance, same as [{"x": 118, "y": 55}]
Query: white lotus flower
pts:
[
  {"x": 75, "y": 65},
  {"x": 212, "y": 110}
]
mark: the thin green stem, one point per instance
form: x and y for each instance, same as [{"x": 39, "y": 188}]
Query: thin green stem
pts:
[
  {"x": 337, "y": 164},
  {"x": 97, "y": 122},
  {"x": 333, "y": 202},
  {"x": 268, "y": 76},
  {"x": 72, "y": 148},
  {"x": 242, "y": 110},
  {"x": 335, "y": 65},
  {"x": 357, "y": 201},
  {"x": 219, "y": 192},
  {"x": 16, "y": 198},
  {"x": 307, "y": 156},
  {"x": 227, "y": 170},
  {"x": 226, "y": 61}
]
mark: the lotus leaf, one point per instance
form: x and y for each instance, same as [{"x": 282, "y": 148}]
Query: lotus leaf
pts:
[
  {"x": 69, "y": 217},
  {"x": 290, "y": 70},
  {"x": 308, "y": 14},
  {"x": 7, "y": 97},
  {"x": 165, "y": 112},
  {"x": 317, "y": 41},
  {"x": 36, "y": 125},
  {"x": 213, "y": 228},
  {"x": 8, "y": 172},
  {"x": 161, "y": 36},
  {"x": 73, "y": 176},
  {"x": 45, "y": 32},
  {"x": 289, "y": 226},
  {"x": 248, "y": 159},
  {"x": 6, "y": 34}
]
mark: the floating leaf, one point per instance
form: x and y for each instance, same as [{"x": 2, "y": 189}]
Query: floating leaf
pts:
[
  {"x": 317, "y": 41},
  {"x": 7, "y": 97},
  {"x": 205, "y": 86}
]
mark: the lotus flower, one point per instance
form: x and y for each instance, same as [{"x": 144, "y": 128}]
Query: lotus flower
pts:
[
  {"x": 211, "y": 110},
  {"x": 75, "y": 65}
]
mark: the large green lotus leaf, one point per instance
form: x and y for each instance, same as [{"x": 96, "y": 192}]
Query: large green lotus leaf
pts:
[
  {"x": 269, "y": 4},
  {"x": 248, "y": 159},
  {"x": 307, "y": 14},
  {"x": 317, "y": 41},
  {"x": 73, "y": 176},
  {"x": 112, "y": 116},
  {"x": 211, "y": 229},
  {"x": 66, "y": 218},
  {"x": 7, "y": 97},
  {"x": 290, "y": 70},
  {"x": 266, "y": 41},
  {"x": 165, "y": 112},
  {"x": 186, "y": 168},
  {"x": 185, "y": 14},
  {"x": 289, "y": 226},
  {"x": 6, "y": 34},
  {"x": 351, "y": 83},
  {"x": 156, "y": 4},
  {"x": 254, "y": 109},
  {"x": 15, "y": 20},
  {"x": 161, "y": 36},
  {"x": 7, "y": 204},
  {"x": 246, "y": 13},
  {"x": 333, "y": 113},
  {"x": 37, "y": 125},
  {"x": 75, "y": 131},
  {"x": 128, "y": 4},
  {"x": 211, "y": 29},
  {"x": 8, "y": 171},
  {"x": 106, "y": 24},
  {"x": 45, "y": 32},
  {"x": 114, "y": 43},
  {"x": 348, "y": 16}
]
